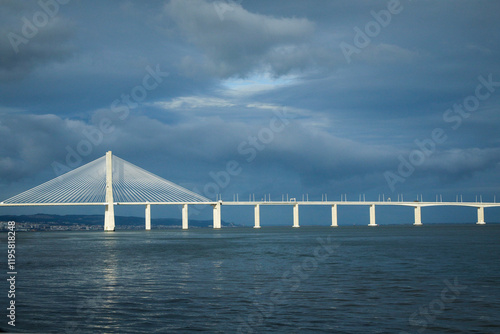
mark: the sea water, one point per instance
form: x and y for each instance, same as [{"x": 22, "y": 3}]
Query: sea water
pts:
[{"x": 385, "y": 279}]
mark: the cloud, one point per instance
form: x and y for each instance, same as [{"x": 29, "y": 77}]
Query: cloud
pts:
[
  {"x": 195, "y": 102},
  {"x": 241, "y": 42},
  {"x": 307, "y": 150},
  {"x": 25, "y": 45},
  {"x": 230, "y": 68},
  {"x": 387, "y": 53},
  {"x": 30, "y": 143},
  {"x": 455, "y": 163}
]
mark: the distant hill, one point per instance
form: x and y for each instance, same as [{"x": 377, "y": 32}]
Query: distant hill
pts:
[{"x": 92, "y": 220}]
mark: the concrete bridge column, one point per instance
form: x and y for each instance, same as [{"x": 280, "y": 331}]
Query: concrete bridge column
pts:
[
  {"x": 372, "y": 215},
  {"x": 184, "y": 216},
  {"x": 480, "y": 215},
  {"x": 257, "y": 216},
  {"x": 418, "y": 216},
  {"x": 109, "y": 214},
  {"x": 296, "y": 215},
  {"x": 148, "y": 217},
  {"x": 217, "y": 215},
  {"x": 109, "y": 218},
  {"x": 334, "y": 215}
]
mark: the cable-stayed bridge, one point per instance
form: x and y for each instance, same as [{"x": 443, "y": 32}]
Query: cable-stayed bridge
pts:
[{"x": 110, "y": 181}]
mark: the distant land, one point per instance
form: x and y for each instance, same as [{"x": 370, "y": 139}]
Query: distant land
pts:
[{"x": 48, "y": 222}]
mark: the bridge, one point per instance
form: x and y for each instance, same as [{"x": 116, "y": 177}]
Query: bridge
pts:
[{"x": 110, "y": 181}]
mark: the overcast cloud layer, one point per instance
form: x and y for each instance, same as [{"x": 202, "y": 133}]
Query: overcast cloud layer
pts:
[{"x": 308, "y": 97}]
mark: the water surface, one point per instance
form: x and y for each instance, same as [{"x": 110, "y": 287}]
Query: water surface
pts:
[{"x": 387, "y": 279}]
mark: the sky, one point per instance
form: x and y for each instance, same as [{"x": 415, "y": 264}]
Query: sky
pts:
[{"x": 392, "y": 99}]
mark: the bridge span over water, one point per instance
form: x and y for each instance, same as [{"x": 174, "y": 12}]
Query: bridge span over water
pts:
[{"x": 110, "y": 181}]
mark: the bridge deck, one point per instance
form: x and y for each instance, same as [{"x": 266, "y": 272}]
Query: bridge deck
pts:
[{"x": 302, "y": 203}]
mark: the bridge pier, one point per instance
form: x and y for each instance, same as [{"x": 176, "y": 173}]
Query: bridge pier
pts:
[
  {"x": 334, "y": 215},
  {"x": 257, "y": 216},
  {"x": 480, "y": 215},
  {"x": 109, "y": 218},
  {"x": 184, "y": 216},
  {"x": 148, "y": 217},
  {"x": 418, "y": 216},
  {"x": 372, "y": 216},
  {"x": 217, "y": 215},
  {"x": 296, "y": 215}
]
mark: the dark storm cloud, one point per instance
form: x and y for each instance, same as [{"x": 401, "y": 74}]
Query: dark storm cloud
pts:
[
  {"x": 238, "y": 42},
  {"x": 231, "y": 65},
  {"x": 31, "y": 37},
  {"x": 31, "y": 142}
]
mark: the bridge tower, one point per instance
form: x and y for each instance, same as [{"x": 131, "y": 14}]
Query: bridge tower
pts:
[{"x": 109, "y": 215}]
